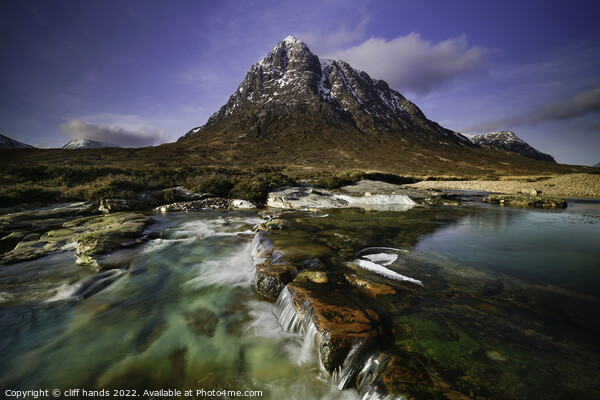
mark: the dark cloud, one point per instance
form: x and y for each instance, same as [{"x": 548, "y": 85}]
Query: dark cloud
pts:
[
  {"x": 584, "y": 103},
  {"x": 76, "y": 129},
  {"x": 410, "y": 63},
  {"x": 580, "y": 105}
]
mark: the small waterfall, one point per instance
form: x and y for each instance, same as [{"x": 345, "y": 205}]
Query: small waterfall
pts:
[
  {"x": 309, "y": 349},
  {"x": 348, "y": 371},
  {"x": 354, "y": 369},
  {"x": 290, "y": 321},
  {"x": 259, "y": 247},
  {"x": 286, "y": 314}
]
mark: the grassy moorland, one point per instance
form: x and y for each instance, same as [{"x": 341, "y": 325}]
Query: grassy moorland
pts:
[{"x": 249, "y": 168}]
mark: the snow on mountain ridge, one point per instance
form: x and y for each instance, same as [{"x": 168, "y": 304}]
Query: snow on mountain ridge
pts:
[
  {"x": 86, "y": 144},
  {"x": 507, "y": 140}
]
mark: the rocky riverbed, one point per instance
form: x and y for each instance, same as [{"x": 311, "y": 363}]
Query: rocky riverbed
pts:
[{"x": 362, "y": 275}]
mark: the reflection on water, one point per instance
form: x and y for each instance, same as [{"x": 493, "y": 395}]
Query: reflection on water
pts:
[
  {"x": 540, "y": 247},
  {"x": 504, "y": 291}
]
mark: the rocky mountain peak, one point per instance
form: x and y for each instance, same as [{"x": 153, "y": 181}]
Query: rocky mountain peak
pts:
[
  {"x": 507, "y": 140},
  {"x": 291, "y": 87}
]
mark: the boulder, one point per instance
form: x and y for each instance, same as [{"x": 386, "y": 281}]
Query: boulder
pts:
[
  {"x": 342, "y": 317},
  {"x": 108, "y": 233},
  {"x": 275, "y": 267},
  {"x": 311, "y": 198},
  {"x": 214, "y": 203},
  {"x": 525, "y": 201}
]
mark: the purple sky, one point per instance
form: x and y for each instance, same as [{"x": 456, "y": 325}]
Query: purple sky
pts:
[{"x": 139, "y": 73}]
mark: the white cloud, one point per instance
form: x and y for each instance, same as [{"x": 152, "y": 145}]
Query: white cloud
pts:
[
  {"x": 114, "y": 134},
  {"x": 411, "y": 64}
]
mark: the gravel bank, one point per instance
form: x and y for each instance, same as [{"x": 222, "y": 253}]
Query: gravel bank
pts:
[{"x": 572, "y": 185}]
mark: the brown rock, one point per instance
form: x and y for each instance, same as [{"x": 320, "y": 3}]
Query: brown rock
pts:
[
  {"x": 341, "y": 318},
  {"x": 370, "y": 288}
]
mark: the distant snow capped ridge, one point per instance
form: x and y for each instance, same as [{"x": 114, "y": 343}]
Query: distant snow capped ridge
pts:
[
  {"x": 8, "y": 143},
  {"x": 86, "y": 144},
  {"x": 507, "y": 140},
  {"x": 291, "y": 90}
]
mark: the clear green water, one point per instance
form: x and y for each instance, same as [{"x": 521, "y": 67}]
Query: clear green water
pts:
[{"x": 183, "y": 314}]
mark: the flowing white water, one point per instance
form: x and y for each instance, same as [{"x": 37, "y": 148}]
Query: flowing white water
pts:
[
  {"x": 233, "y": 270},
  {"x": 354, "y": 369},
  {"x": 286, "y": 313}
]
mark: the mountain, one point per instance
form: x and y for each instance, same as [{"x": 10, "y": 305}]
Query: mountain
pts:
[
  {"x": 300, "y": 114},
  {"x": 86, "y": 144},
  {"x": 507, "y": 140},
  {"x": 597, "y": 165},
  {"x": 293, "y": 91},
  {"x": 8, "y": 143}
]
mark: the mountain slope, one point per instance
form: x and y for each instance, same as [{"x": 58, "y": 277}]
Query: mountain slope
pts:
[
  {"x": 8, "y": 143},
  {"x": 86, "y": 144},
  {"x": 507, "y": 140},
  {"x": 291, "y": 90}
]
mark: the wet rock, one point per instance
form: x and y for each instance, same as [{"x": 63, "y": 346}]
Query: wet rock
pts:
[
  {"x": 312, "y": 276},
  {"x": 242, "y": 204},
  {"x": 108, "y": 233},
  {"x": 367, "y": 286},
  {"x": 8, "y": 242},
  {"x": 35, "y": 245},
  {"x": 180, "y": 193},
  {"x": 409, "y": 375},
  {"x": 419, "y": 196},
  {"x": 214, "y": 203},
  {"x": 271, "y": 278},
  {"x": 525, "y": 201},
  {"x": 275, "y": 267},
  {"x": 342, "y": 318},
  {"x": 304, "y": 197},
  {"x": 275, "y": 224},
  {"x": 63, "y": 210},
  {"x": 313, "y": 198}
]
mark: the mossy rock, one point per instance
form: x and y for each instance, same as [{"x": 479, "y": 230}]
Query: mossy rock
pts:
[
  {"x": 109, "y": 233},
  {"x": 369, "y": 287},
  {"x": 525, "y": 201},
  {"x": 312, "y": 276},
  {"x": 271, "y": 278}
]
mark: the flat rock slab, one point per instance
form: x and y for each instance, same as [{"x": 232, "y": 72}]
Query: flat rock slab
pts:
[
  {"x": 308, "y": 197},
  {"x": 525, "y": 201},
  {"x": 214, "y": 203}
]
